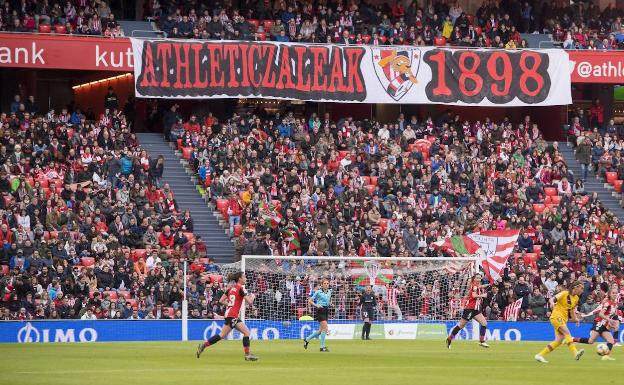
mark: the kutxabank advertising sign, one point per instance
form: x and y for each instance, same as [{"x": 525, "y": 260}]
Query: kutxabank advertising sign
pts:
[{"x": 349, "y": 73}]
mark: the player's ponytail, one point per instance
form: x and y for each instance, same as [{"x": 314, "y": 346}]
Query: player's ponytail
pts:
[{"x": 234, "y": 277}]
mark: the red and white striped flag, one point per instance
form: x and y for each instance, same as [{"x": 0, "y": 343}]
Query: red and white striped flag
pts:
[
  {"x": 512, "y": 310},
  {"x": 495, "y": 248}
]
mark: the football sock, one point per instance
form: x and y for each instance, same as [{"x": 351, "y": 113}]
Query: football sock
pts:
[
  {"x": 454, "y": 332},
  {"x": 313, "y": 335},
  {"x": 213, "y": 340},
  {"x": 610, "y": 346},
  {"x": 322, "y": 338},
  {"x": 482, "y": 330},
  {"x": 549, "y": 348},
  {"x": 570, "y": 342},
  {"x": 246, "y": 345},
  {"x": 368, "y": 329},
  {"x": 581, "y": 340}
]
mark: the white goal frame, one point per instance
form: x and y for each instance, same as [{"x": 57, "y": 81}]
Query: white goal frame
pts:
[{"x": 244, "y": 258}]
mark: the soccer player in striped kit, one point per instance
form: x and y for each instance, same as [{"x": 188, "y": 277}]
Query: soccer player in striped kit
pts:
[
  {"x": 393, "y": 301},
  {"x": 320, "y": 300},
  {"x": 474, "y": 302}
]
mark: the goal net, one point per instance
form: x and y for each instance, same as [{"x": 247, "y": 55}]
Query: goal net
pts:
[{"x": 407, "y": 290}]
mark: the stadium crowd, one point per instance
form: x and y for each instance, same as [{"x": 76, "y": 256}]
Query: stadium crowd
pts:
[
  {"x": 85, "y": 216},
  {"x": 80, "y": 17},
  {"x": 495, "y": 23},
  {"x": 581, "y": 25},
  {"x": 289, "y": 185}
]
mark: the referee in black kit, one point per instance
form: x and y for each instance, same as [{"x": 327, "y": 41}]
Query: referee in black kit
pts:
[{"x": 368, "y": 301}]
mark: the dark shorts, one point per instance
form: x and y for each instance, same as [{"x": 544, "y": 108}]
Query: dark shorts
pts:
[
  {"x": 321, "y": 314},
  {"x": 368, "y": 313},
  {"x": 469, "y": 314},
  {"x": 232, "y": 322},
  {"x": 600, "y": 327}
]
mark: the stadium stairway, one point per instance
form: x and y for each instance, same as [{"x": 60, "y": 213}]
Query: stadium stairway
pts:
[
  {"x": 143, "y": 29},
  {"x": 206, "y": 224},
  {"x": 608, "y": 197},
  {"x": 540, "y": 40}
]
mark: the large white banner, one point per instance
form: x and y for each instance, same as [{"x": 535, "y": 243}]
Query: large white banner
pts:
[{"x": 350, "y": 74}]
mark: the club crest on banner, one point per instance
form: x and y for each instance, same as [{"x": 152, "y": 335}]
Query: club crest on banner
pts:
[{"x": 396, "y": 70}]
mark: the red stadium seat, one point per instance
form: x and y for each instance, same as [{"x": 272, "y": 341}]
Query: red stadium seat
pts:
[
  {"x": 537, "y": 249},
  {"x": 366, "y": 38},
  {"x": 268, "y": 25},
  {"x": 530, "y": 259},
  {"x": 538, "y": 208},
  {"x": 439, "y": 41},
  {"x": 370, "y": 188},
  {"x": 366, "y": 180},
  {"x": 138, "y": 254},
  {"x": 5, "y": 269},
  {"x": 373, "y": 180},
  {"x": 124, "y": 293},
  {"x": 611, "y": 177},
  {"x": 550, "y": 191},
  {"x": 262, "y": 36},
  {"x": 555, "y": 199},
  {"x": 186, "y": 153},
  {"x": 478, "y": 31},
  {"x": 584, "y": 200},
  {"x": 45, "y": 28},
  {"x": 617, "y": 185},
  {"x": 88, "y": 261},
  {"x": 180, "y": 146},
  {"x": 61, "y": 29},
  {"x": 113, "y": 294},
  {"x": 216, "y": 278},
  {"x": 254, "y": 22},
  {"x": 189, "y": 236}
]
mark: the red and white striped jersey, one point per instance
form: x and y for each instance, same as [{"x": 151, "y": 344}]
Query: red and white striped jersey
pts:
[
  {"x": 393, "y": 296},
  {"x": 609, "y": 308},
  {"x": 471, "y": 302}
]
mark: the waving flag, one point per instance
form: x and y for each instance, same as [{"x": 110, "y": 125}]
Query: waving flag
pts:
[
  {"x": 512, "y": 310},
  {"x": 496, "y": 247},
  {"x": 269, "y": 214},
  {"x": 493, "y": 247},
  {"x": 291, "y": 236}
]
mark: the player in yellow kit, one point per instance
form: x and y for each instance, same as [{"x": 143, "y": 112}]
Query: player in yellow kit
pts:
[{"x": 564, "y": 304}]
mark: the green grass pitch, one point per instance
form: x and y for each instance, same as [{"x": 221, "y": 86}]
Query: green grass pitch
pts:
[{"x": 286, "y": 362}]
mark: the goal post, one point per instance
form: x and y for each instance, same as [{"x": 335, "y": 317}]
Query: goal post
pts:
[{"x": 409, "y": 290}]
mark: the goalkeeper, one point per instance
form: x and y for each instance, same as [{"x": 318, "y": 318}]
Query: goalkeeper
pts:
[{"x": 368, "y": 302}]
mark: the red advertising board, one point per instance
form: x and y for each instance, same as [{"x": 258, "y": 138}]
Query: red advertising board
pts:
[
  {"x": 597, "y": 66},
  {"x": 65, "y": 52}
]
